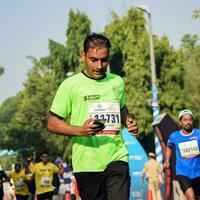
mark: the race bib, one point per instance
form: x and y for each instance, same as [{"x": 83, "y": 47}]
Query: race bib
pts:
[
  {"x": 189, "y": 149},
  {"x": 45, "y": 181},
  {"x": 19, "y": 185},
  {"x": 108, "y": 111}
]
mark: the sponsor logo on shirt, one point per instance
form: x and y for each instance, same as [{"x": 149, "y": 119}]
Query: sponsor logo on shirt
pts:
[{"x": 91, "y": 97}]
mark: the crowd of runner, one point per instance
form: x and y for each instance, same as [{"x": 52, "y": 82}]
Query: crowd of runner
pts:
[{"x": 38, "y": 181}]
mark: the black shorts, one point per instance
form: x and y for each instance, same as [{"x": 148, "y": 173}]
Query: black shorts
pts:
[
  {"x": 186, "y": 183},
  {"x": 21, "y": 197},
  {"x": 111, "y": 184},
  {"x": 46, "y": 195}
]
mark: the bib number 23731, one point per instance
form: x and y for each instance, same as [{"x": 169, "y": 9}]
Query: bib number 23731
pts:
[{"x": 108, "y": 111}]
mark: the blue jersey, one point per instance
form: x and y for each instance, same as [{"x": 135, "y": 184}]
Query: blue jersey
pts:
[{"x": 187, "y": 152}]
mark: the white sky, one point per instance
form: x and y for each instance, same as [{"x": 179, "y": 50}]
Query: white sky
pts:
[{"x": 26, "y": 26}]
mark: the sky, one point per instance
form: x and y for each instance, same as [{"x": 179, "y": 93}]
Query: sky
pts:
[{"x": 27, "y": 25}]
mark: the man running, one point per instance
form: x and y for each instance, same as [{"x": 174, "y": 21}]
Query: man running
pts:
[
  {"x": 43, "y": 173},
  {"x": 187, "y": 145},
  {"x": 20, "y": 180},
  {"x": 95, "y": 102}
]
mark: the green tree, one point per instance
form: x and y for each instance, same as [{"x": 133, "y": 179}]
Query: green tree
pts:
[
  {"x": 196, "y": 14},
  {"x": 56, "y": 62},
  {"x": 131, "y": 58},
  {"x": 78, "y": 29},
  {"x": 189, "y": 42},
  {"x": 7, "y": 110},
  {"x": 27, "y": 127},
  {"x": 191, "y": 55},
  {"x": 130, "y": 46},
  {"x": 170, "y": 74},
  {"x": 23, "y": 118},
  {"x": 1, "y": 70}
]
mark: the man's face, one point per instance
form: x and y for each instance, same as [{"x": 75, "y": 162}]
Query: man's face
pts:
[
  {"x": 96, "y": 61},
  {"x": 44, "y": 158},
  {"x": 17, "y": 168},
  {"x": 186, "y": 122}
]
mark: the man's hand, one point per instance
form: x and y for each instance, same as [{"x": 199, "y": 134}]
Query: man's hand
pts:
[
  {"x": 132, "y": 125},
  {"x": 166, "y": 164},
  {"x": 59, "y": 126},
  {"x": 89, "y": 128}
]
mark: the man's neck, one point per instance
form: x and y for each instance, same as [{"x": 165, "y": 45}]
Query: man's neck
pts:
[{"x": 185, "y": 132}]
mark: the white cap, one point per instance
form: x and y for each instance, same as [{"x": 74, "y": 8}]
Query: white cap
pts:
[{"x": 184, "y": 112}]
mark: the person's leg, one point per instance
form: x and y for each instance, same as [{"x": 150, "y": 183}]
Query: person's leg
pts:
[
  {"x": 31, "y": 187},
  {"x": 117, "y": 181},
  {"x": 186, "y": 187},
  {"x": 151, "y": 188},
  {"x": 90, "y": 185},
  {"x": 158, "y": 195},
  {"x": 157, "y": 189},
  {"x": 49, "y": 195},
  {"x": 45, "y": 196},
  {"x": 113, "y": 183},
  {"x": 40, "y": 196},
  {"x": 1, "y": 193},
  {"x": 189, "y": 194},
  {"x": 196, "y": 187},
  {"x": 21, "y": 197}
]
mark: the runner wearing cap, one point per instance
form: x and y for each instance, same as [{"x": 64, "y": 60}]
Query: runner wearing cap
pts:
[{"x": 187, "y": 144}]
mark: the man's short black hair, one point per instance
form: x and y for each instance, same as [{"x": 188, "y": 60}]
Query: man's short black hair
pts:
[
  {"x": 96, "y": 40},
  {"x": 44, "y": 152},
  {"x": 17, "y": 165}
]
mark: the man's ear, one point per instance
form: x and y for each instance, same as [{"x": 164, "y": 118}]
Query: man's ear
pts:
[{"x": 83, "y": 57}]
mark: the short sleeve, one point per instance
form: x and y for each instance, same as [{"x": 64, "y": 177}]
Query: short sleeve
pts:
[
  {"x": 170, "y": 142},
  {"x": 122, "y": 94},
  {"x": 61, "y": 105},
  {"x": 55, "y": 169}
]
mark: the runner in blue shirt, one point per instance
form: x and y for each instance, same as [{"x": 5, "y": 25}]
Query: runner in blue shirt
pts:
[{"x": 187, "y": 145}]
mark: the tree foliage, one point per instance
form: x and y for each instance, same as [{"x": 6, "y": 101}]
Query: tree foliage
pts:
[
  {"x": 191, "y": 58},
  {"x": 130, "y": 42},
  {"x": 7, "y": 111},
  {"x": 196, "y": 14},
  {"x": 1, "y": 70},
  {"x": 78, "y": 29},
  {"x": 170, "y": 77},
  {"x": 23, "y": 118}
]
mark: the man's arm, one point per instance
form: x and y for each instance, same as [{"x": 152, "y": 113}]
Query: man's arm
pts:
[
  {"x": 143, "y": 175},
  {"x": 128, "y": 121},
  {"x": 168, "y": 153},
  {"x": 58, "y": 169},
  {"x": 59, "y": 126}
]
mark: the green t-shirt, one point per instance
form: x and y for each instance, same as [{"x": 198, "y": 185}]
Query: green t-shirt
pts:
[{"x": 81, "y": 98}]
